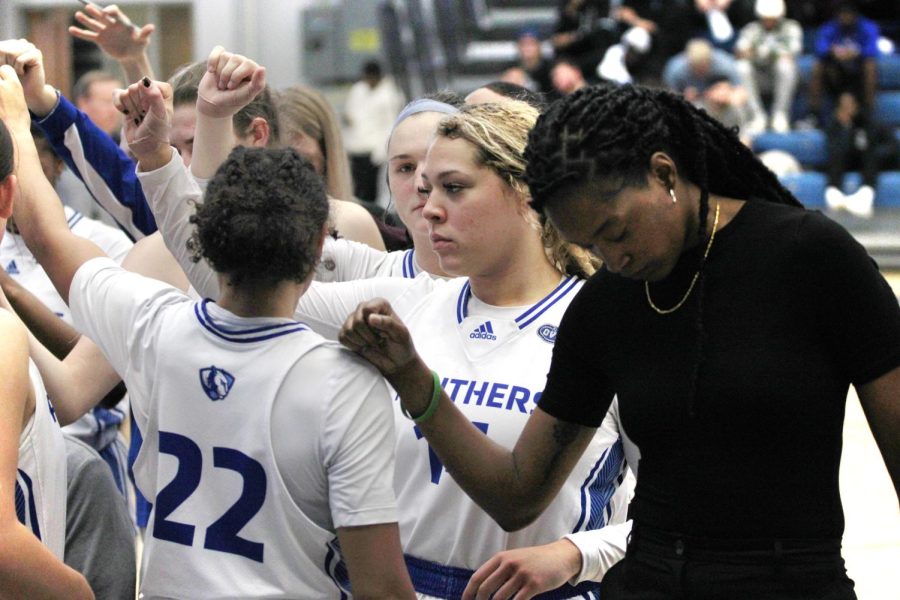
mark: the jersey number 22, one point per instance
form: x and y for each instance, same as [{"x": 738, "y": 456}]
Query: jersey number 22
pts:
[{"x": 223, "y": 534}]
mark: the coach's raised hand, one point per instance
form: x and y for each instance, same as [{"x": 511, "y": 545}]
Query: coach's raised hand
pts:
[
  {"x": 28, "y": 63},
  {"x": 230, "y": 83},
  {"x": 146, "y": 106}
]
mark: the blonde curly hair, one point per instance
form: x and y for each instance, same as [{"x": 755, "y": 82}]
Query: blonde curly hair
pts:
[{"x": 499, "y": 134}]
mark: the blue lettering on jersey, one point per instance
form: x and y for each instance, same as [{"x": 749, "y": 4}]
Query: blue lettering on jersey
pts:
[
  {"x": 485, "y": 331},
  {"x": 12, "y": 268},
  {"x": 491, "y": 394},
  {"x": 437, "y": 467},
  {"x": 547, "y": 333},
  {"x": 216, "y": 382}
]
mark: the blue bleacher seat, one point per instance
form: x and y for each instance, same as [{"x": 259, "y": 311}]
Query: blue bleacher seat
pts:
[
  {"x": 808, "y": 188},
  {"x": 889, "y": 72},
  {"x": 852, "y": 181},
  {"x": 887, "y": 190},
  {"x": 805, "y": 64},
  {"x": 808, "y": 147},
  {"x": 887, "y": 108}
]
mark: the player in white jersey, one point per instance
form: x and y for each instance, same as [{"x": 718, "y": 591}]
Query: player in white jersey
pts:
[
  {"x": 264, "y": 444},
  {"x": 32, "y": 452},
  {"x": 99, "y": 427},
  {"x": 494, "y": 363}
]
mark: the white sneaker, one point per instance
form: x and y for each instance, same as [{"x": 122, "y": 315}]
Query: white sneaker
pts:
[
  {"x": 780, "y": 123},
  {"x": 835, "y": 199},
  {"x": 861, "y": 202}
]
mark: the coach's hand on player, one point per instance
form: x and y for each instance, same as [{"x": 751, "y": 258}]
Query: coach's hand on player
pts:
[
  {"x": 525, "y": 572},
  {"x": 28, "y": 62},
  {"x": 230, "y": 83},
  {"x": 377, "y": 334},
  {"x": 147, "y": 107}
]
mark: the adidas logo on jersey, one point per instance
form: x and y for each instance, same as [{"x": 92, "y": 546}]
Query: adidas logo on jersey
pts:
[
  {"x": 485, "y": 331},
  {"x": 216, "y": 382},
  {"x": 12, "y": 268}
]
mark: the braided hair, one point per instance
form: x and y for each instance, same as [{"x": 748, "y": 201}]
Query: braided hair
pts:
[{"x": 605, "y": 131}]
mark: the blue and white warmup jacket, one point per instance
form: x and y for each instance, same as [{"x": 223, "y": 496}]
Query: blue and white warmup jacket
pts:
[{"x": 106, "y": 170}]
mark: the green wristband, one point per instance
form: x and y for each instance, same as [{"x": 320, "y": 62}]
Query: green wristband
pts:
[{"x": 432, "y": 406}]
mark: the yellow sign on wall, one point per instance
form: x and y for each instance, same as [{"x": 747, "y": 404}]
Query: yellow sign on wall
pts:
[{"x": 365, "y": 40}]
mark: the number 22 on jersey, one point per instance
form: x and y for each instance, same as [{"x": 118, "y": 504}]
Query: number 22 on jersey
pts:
[{"x": 222, "y": 535}]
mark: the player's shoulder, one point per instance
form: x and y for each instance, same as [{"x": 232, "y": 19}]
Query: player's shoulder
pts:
[
  {"x": 11, "y": 329},
  {"x": 328, "y": 359}
]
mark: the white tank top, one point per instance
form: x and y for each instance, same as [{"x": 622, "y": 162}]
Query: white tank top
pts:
[{"x": 41, "y": 475}]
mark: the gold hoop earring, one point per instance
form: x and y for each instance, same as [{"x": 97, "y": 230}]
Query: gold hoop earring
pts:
[{"x": 672, "y": 193}]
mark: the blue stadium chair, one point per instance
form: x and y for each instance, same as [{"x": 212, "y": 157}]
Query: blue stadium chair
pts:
[
  {"x": 887, "y": 190},
  {"x": 808, "y": 147},
  {"x": 852, "y": 181},
  {"x": 808, "y": 188},
  {"x": 889, "y": 72},
  {"x": 887, "y": 108},
  {"x": 805, "y": 64}
]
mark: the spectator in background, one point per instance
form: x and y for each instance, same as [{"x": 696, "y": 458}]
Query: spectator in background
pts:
[
  {"x": 767, "y": 51},
  {"x": 856, "y": 141},
  {"x": 567, "y": 77},
  {"x": 93, "y": 94},
  {"x": 369, "y": 113},
  {"x": 669, "y": 23},
  {"x": 715, "y": 12},
  {"x": 533, "y": 62},
  {"x": 584, "y": 31},
  {"x": 708, "y": 78},
  {"x": 846, "y": 49},
  {"x": 621, "y": 58}
]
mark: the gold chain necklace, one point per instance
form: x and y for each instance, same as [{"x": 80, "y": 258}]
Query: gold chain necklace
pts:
[{"x": 666, "y": 311}]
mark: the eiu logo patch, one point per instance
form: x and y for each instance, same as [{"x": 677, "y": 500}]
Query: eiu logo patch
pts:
[
  {"x": 12, "y": 268},
  {"x": 548, "y": 333},
  {"x": 216, "y": 382}
]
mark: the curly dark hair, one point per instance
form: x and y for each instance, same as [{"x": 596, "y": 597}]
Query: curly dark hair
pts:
[
  {"x": 612, "y": 131},
  {"x": 262, "y": 219}
]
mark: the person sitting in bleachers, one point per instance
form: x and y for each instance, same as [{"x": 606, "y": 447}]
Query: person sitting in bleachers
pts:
[
  {"x": 857, "y": 141},
  {"x": 846, "y": 53},
  {"x": 708, "y": 78},
  {"x": 767, "y": 51}
]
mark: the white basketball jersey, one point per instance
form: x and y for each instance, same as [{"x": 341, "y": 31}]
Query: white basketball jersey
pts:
[
  {"x": 41, "y": 477},
  {"x": 493, "y": 364},
  {"x": 20, "y": 264},
  {"x": 346, "y": 260},
  {"x": 223, "y": 523},
  {"x": 99, "y": 427}
]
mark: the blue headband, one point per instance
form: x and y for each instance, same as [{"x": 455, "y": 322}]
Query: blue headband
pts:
[{"x": 423, "y": 105}]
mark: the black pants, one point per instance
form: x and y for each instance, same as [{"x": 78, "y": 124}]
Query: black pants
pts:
[
  {"x": 365, "y": 177},
  {"x": 844, "y": 156},
  {"x": 661, "y": 566}
]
